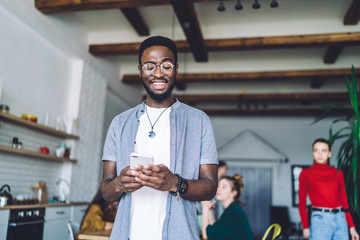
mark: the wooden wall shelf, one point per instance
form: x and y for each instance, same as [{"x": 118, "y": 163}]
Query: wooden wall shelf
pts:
[
  {"x": 33, "y": 154},
  {"x": 6, "y": 117}
]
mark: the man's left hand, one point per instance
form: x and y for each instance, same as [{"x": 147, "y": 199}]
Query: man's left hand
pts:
[{"x": 158, "y": 177}]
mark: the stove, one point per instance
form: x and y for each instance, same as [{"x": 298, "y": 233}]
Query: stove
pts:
[{"x": 26, "y": 223}]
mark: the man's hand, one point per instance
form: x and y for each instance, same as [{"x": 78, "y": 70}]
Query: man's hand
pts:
[
  {"x": 306, "y": 233},
  {"x": 354, "y": 234},
  {"x": 113, "y": 186},
  {"x": 158, "y": 177},
  {"x": 126, "y": 181}
]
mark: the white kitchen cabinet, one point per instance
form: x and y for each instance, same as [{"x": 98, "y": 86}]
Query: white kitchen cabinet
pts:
[
  {"x": 77, "y": 212},
  {"x": 56, "y": 219},
  {"x": 4, "y": 219}
]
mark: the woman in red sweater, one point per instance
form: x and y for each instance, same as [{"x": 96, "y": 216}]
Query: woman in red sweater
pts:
[{"x": 330, "y": 218}]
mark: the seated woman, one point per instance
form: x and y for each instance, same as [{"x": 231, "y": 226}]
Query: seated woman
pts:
[
  {"x": 99, "y": 215},
  {"x": 233, "y": 223}
]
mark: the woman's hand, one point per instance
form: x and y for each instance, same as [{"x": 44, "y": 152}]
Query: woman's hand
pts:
[
  {"x": 207, "y": 205},
  {"x": 306, "y": 233},
  {"x": 354, "y": 234},
  {"x": 208, "y": 216},
  {"x": 108, "y": 225}
]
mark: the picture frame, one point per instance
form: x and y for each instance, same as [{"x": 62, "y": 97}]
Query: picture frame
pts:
[{"x": 295, "y": 174}]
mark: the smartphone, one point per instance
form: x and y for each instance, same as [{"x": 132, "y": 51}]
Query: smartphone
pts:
[{"x": 140, "y": 158}]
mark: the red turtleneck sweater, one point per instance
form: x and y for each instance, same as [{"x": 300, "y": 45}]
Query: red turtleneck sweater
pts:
[{"x": 326, "y": 189}]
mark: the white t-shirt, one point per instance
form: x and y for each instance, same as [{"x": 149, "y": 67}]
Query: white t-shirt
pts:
[{"x": 148, "y": 206}]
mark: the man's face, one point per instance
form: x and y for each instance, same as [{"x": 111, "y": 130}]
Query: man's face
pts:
[{"x": 158, "y": 85}]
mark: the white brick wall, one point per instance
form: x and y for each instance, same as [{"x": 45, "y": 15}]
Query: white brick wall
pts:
[
  {"x": 22, "y": 172},
  {"x": 85, "y": 175}
]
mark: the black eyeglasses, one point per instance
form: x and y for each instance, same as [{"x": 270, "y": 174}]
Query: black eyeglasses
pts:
[{"x": 165, "y": 67}]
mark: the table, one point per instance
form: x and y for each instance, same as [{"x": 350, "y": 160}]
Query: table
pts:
[
  {"x": 100, "y": 235},
  {"x": 97, "y": 235}
]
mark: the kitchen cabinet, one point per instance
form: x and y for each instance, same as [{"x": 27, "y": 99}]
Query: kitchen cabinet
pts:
[
  {"x": 4, "y": 219},
  {"x": 56, "y": 219},
  {"x": 77, "y": 213},
  {"x": 6, "y": 117}
]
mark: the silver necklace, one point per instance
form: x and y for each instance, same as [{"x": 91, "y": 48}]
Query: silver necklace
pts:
[{"x": 152, "y": 133}]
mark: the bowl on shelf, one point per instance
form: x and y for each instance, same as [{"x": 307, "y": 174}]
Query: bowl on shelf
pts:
[
  {"x": 29, "y": 117},
  {"x": 4, "y": 108}
]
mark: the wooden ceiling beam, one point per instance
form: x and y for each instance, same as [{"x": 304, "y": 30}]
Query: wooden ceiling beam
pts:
[
  {"x": 114, "y": 49},
  {"x": 237, "y": 44},
  {"x": 281, "y": 112},
  {"x": 252, "y": 76},
  {"x": 292, "y": 41},
  {"x": 316, "y": 83},
  {"x": 332, "y": 53},
  {"x": 185, "y": 13},
  {"x": 58, "y": 6},
  {"x": 136, "y": 20},
  {"x": 264, "y": 97},
  {"x": 352, "y": 15}
]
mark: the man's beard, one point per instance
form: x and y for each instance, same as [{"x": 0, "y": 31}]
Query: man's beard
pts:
[{"x": 159, "y": 97}]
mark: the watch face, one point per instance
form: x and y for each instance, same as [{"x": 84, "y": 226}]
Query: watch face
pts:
[{"x": 184, "y": 187}]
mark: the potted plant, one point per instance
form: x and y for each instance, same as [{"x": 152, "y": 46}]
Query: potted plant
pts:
[{"x": 349, "y": 151}]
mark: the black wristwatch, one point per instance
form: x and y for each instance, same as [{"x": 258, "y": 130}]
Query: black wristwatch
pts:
[{"x": 182, "y": 187}]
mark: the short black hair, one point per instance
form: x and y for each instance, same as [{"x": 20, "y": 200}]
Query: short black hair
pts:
[
  {"x": 322, "y": 140},
  {"x": 158, "y": 41},
  {"x": 222, "y": 163}
]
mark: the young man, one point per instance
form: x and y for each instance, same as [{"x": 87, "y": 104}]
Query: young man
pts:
[
  {"x": 330, "y": 219},
  {"x": 157, "y": 201}
]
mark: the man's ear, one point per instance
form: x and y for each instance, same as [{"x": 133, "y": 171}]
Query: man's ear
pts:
[{"x": 140, "y": 70}]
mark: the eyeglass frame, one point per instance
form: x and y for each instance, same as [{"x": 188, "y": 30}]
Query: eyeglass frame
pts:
[{"x": 161, "y": 67}]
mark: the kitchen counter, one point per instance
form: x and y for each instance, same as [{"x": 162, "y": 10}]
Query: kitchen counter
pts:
[{"x": 44, "y": 205}]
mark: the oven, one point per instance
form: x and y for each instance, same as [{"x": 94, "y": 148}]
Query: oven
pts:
[{"x": 26, "y": 224}]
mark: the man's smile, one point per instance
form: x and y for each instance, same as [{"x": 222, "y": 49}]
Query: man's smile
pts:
[{"x": 158, "y": 85}]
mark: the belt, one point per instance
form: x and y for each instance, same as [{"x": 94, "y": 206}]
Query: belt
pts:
[{"x": 334, "y": 210}]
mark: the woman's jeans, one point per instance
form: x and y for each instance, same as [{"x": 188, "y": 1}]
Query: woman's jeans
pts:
[{"x": 328, "y": 226}]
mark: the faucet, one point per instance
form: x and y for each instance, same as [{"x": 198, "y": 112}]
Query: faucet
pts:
[
  {"x": 63, "y": 194},
  {"x": 62, "y": 180}
]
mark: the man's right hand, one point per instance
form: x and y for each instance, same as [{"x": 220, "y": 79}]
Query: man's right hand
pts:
[
  {"x": 113, "y": 186},
  {"x": 126, "y": 181},
  {"x": 306, "y": 233}
]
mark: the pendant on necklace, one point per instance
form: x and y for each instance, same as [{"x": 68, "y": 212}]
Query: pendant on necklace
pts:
[{"x": 152, "y": 134}]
